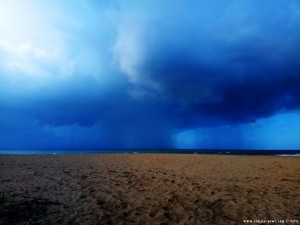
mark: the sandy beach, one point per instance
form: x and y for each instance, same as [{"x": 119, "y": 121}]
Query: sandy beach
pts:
[{"x": 148, "y": 189}]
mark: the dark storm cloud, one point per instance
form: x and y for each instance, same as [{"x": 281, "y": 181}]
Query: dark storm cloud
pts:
[
  {"x": 222, "y": 68},
  {"x": 79, "y": 115},
  {"x": 241, "y": 90}
]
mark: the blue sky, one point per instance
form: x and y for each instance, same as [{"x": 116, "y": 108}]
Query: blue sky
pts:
[{"x": 85, "y": 74}]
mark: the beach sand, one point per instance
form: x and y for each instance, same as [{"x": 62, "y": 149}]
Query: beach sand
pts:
[{"x": 148, "y": 189}]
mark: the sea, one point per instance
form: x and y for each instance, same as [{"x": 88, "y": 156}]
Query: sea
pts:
[{"x": 160, "y": 151}]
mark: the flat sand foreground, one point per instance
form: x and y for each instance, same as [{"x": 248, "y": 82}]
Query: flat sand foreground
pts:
[{"x": 148, "y": 189}]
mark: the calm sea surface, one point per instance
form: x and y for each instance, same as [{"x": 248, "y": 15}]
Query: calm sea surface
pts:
[{"x": 164, "y": 151}]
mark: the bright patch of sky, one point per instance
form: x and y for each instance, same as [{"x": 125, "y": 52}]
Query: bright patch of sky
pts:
[{"x": 281, "y": 131}]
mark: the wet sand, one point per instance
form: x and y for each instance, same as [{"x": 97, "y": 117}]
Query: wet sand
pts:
[{"x": 148, "y": 189}]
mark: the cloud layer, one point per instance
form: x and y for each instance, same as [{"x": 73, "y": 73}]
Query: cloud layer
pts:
[{"x": 113, "y": 75}]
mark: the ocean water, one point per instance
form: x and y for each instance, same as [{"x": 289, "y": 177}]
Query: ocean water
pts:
[{"x": 160, "y": 151}]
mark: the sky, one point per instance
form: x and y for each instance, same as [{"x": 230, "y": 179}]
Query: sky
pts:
[{"x": 161, "y": 74}]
